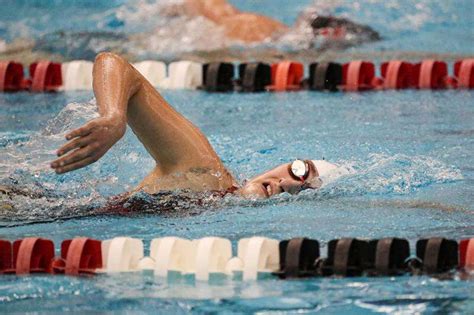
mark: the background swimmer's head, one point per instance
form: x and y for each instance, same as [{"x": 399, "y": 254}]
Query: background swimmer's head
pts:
[{"x": 278, "y": 180}]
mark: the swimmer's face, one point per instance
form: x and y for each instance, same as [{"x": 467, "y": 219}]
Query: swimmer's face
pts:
[{"x": 279, "y": 180}]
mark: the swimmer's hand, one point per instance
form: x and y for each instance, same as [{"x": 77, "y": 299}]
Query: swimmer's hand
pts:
[{"x": 88, "y": 143}]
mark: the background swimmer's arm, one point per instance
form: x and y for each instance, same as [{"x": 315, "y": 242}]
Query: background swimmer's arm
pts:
[
  {"x": 246, "y": 26},
  {"x": 214, "y": 10},
  {"x": 124, "y": 95}
]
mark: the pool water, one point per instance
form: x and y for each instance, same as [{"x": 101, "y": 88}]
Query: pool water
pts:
[
  {"x": 407, "y": 156},
  {"x": 81, "y": 28}
]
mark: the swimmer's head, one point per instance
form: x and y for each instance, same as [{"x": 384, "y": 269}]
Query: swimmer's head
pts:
[{"x": 289, "y": 177}]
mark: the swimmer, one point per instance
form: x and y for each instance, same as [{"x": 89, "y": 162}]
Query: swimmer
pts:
[
  {"x": 245, "y": 26},
  {"x": 250, "y": 27},
  {"x": 233, "y": 26},
  {"x": 185, "y": 160}
]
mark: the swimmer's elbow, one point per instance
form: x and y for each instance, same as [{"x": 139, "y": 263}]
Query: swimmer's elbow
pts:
[
  {"x": 115, "y": 65},
  {"x": 109, "y": 57},
  {"x": 109, "y": 61}
]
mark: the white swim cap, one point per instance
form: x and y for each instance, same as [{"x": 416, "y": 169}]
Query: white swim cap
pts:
[{"x": 323, "y": 167}]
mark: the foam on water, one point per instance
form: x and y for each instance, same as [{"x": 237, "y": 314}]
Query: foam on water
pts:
[
  {"x": 152, "y": 29},
  {"x": 405, "y": 158}
]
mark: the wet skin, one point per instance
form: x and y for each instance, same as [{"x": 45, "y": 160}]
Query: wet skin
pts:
[
  {"x": 279, "y": 180},
  {"x": 245, "y": 26},
  {"x": 184, "y": 157},
  {"x": 254, "y": 28}
]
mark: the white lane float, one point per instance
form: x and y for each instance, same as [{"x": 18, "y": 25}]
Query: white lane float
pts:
[
  {"x": 171, "y": 254},
  {"x": 255, "y": 255},
  {"x": 211, "y": 257},
  {"x": 183, "y": 75},
  {"x": 77, "y": 75},
  {"x": 153, "y": 71},
  {"x": 123, "y": 254},
  {"x": 200, "y": 258}
]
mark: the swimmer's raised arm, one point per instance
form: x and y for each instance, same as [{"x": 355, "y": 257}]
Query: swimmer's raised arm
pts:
[
  {"x": 114, "y": 84},
  {"x": 125, "y": 96}
]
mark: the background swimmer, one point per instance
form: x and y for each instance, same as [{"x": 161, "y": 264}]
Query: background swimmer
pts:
[
  {"x": 250, "y": 27},
  {"x": 184, "y": 157},
  {"x": 253, "y": 28},
  {"x": 191, "y": 28},
  {"x": 245, "y": 26}
]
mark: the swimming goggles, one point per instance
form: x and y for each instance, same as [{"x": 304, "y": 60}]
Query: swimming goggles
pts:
[{"x": 299, "y": 169}]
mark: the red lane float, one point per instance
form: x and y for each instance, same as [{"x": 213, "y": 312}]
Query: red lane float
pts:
[
  {"x": 256, "y": 257},
  {"x": 5, "y": 256},
  {"x": 286, "y": 76},
  {"x": 466, "y": 254},
  {"x": 79, "y": 255},
  {"x": 397, "y": 74},
  {"x": 45, "y": 76},
  {"x": 431, "y": 74},
  {"x": 11, "y": 76},
  {"x": 32, "y": 255},
  {"x": 464, "y": 73},
  {"x": 358, "y": 76}
]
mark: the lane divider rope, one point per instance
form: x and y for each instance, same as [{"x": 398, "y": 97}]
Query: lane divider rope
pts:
[
  {"x": 257, "y": 257},
  {"x": 354, "y": 76}
]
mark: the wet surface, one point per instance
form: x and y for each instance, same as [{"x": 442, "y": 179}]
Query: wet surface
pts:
[
  {"x": 406, "y": 156},
  {"x": 407, "y": 161}
]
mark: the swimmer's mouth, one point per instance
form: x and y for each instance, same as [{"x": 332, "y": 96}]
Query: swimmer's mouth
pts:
[{"x": 267, "y": 189}]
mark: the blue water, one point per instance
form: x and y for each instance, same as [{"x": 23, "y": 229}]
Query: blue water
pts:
[
  {"x": 412, "y": 158},
  {"x": 409, "y": 157},
  {"x": 406, "y": 25}
]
